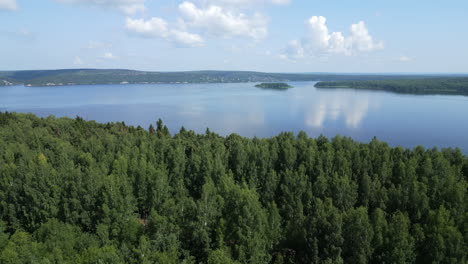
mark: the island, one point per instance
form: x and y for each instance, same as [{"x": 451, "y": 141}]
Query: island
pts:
[
  {"x": 274, "y": 86},
  {"x": 442, "y": 86}
]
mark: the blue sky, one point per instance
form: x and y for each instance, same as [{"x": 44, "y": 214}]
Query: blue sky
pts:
[{"x": 260, "y": 35}]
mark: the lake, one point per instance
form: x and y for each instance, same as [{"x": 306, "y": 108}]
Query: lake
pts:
[{"x": 406, "y": 120}]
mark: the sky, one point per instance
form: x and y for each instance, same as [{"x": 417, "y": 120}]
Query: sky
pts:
[{"x": 372, "y": 36}]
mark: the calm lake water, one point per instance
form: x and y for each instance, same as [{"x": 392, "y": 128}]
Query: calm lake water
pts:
[{"x": 407, "y": 120}]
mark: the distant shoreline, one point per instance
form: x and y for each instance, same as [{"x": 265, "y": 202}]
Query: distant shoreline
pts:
[
  {"x": 434, "y": 86},
  {"x": 99, "y": 77}
]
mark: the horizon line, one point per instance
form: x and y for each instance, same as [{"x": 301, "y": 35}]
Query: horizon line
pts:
[{"x": 279, "y": 72}]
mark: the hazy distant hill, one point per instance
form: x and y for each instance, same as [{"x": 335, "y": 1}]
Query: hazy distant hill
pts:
[{"x": 98, "y": 76}]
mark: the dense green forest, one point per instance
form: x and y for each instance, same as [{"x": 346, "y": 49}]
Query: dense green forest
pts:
[
  {"x": 455, "y": 85},
  {"x": 274, "y": 86},
  {"x": 75, "y": 191},
  {"x": 102, "y": 76}
]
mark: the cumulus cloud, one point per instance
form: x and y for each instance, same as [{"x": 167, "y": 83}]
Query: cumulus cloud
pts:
[
  {"x": 320, "y": 41},
  {"x": 218, "y": 21},
  {"x": 127, "y": 6},
  {"x": 361, "y": 40},
  {"x": 215, "y": 18},
  {"x": 8, "y": 5},
  {"x": 186, "y": 39},
  {"x": 159, "y": 28},
  {"x": 154, "y": 27}
]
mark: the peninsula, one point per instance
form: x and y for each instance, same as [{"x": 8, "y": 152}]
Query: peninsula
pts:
[{"x": 443, "y": 86}]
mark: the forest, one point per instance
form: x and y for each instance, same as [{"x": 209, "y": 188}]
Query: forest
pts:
[
  {"x": 76, "y": 191},
  {"x": 274, "y": 86},
  {"x": 447, "y": 86}
]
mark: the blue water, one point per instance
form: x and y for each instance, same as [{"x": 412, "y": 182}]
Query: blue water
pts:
[{"x": 406, "y": 120}]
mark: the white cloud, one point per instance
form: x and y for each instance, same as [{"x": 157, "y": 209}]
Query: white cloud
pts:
[
  {"x": 319, "y": 41},
  {"x": 8, "y": 4},
  {"x": 217, "y": 18},
  {"x": 218, "y": 21},
  {"x": 108, "y": 56},
  {"x": 77, "y": 61},
  {"x": 186, "y": 39},
  {"x": 318, "y": 32},
  {"x": 361, "y": 40},
  {"x": 159, "y": 28},
  {"x": 155, "y": 27},
  {"x": 127, "y": 6},
  {"x": 405, "y": 58}
]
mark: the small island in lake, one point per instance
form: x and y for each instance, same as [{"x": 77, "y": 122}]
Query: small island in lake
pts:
[{"x": 275, "y": 86}]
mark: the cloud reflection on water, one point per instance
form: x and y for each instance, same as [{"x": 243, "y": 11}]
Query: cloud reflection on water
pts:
[{"x": 352, "y": 108}]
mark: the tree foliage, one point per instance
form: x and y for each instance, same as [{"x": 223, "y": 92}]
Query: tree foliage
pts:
[{"x": 73, "y": 191}]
